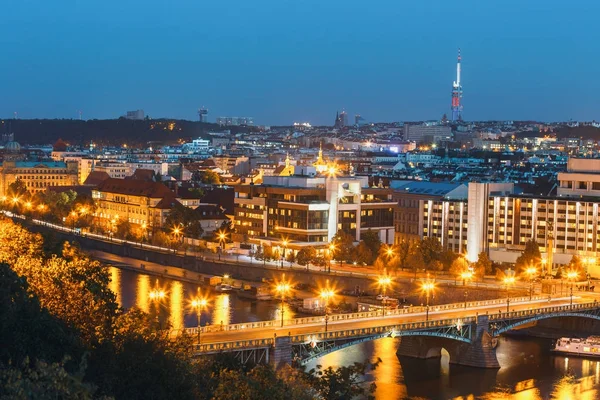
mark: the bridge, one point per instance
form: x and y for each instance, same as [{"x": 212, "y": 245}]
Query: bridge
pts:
[{"x": 468, "y": 333}]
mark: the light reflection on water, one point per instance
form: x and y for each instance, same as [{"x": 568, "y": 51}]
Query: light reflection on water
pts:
[
  {"x": 132, "y": 289},
  {"x": 529, "y": 371}
]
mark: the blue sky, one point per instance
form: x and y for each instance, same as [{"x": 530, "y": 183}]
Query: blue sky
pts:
[{"x": 283, "y": 61}]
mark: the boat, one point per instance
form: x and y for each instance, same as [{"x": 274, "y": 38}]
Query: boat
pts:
[
  {"x": 223, "y": 287},
  {"x": 255, "y": 293},
  {"x": 589, "y": 347}
]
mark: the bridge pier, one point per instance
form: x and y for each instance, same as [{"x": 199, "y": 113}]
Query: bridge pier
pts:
[
  {"x": 281, "y": 353},
  {"x": 480, "y": 353}
]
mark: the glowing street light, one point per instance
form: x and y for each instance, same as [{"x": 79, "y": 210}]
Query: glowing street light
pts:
[
  {"x": 284, "y": 244},
  {"x": 428, "y": 287},
  {"x": 332, "y": 249},
  {"x": 509, "y": 280},
  {"x": 283, "y": 288},
  {"x": 571, "y": 276},
  {"x": 326, "y": 294},
  {"x": 199, "y": 304},
  {"x": 531, "y": 273},
  {"x": 466, "y": 276},
  {"x": 384, "y": 281},
  {"x": 222, "y": 236}
]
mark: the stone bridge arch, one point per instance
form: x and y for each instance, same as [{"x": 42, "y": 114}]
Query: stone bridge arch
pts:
[{"x": 480, "y": 351}]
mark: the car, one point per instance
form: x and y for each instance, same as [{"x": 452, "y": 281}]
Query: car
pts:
[{"x": 382, "y": 297}]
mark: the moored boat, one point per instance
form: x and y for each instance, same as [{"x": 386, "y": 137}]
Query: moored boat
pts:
[{"x": 589, "y": 347}]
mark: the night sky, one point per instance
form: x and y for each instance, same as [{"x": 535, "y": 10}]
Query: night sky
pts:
[{"x": 284, "y": 61}]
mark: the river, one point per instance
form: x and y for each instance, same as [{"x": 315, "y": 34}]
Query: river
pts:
[{"x": 529, "y": 371}]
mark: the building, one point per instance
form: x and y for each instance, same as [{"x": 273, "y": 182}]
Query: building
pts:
[
  {"x": 135, "y": 115},
  {"x": 38, "y": 175},
  {"x": 203, "y": 115},
  {"x": 139, "y": 202},
  {"x": 582, "y": 178},
  {"x": 308, "y": 211},
  {"x": 426, "y": 133},
  {"x": 114, "y": 169},
  {"x": 235, "y": 121},
  {"x": 412, "y": 197},
  {"x": 344, "y": 118},
  {"x": 197, "y": 146}
]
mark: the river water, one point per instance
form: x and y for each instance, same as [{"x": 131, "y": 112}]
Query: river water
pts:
[{"x": 529, "y": 371}]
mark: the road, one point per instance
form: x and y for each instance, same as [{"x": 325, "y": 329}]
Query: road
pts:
[
  {"x": 336, "y": 268},
  {"x": 307, "y": 329}
]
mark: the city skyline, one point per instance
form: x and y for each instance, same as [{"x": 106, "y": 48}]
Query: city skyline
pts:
[{"x": 294, "y": 62}]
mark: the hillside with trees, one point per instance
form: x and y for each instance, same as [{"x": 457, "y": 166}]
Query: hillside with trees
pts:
[{"x": 109, "y": 131}]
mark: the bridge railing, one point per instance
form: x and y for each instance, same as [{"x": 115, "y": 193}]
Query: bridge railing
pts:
[
  {"x": 332, "y": 335},
  {"x": 234, "y": 345},
  {"x": 543, "y": 310},
  {"x": 358, "y": 315}
]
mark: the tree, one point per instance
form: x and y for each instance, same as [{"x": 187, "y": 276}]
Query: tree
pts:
[
  {"x": 362, "y": 253},
  {"x": 531, "y": 256},
  {"x": 459, "y": 266},
  {"x": 28, "y": 330},
  {"x": 75, "y": 290},
  {"x": 415, "y": 262},
  {"x": 43, "y": 381},
  {"x": 210, "y": 177},
  {"x": 306, "y": 255},
  {"x": 18, "y": 188},
  {"x": 430, "y": 250},
  {"x": 372, "y": 242},
  {"x": 404, "y": 250},
  {"x": 483, "y": 265},
  {"x": 187, "y": 218},
  {"x": 343, "y": 382},
  {"x": 576, "y": 265},
  {"x": 344, "y": 244},
  {"x": 124, "y": 230}
]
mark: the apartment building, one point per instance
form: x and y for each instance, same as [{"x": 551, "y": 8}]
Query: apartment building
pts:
[
  {"x": 139, "y": 202},
  {"x": 38, "y": 175},
  {"x": 412, "y": 196},
  {"x": 308, "y": 211}
]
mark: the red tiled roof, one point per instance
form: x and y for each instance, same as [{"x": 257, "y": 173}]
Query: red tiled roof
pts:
[
  {"x": 135, "y": 188},
  {"x": 96, "y": 177}
]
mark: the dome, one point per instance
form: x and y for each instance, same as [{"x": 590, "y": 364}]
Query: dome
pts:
[{"x": 13, "y": 147}]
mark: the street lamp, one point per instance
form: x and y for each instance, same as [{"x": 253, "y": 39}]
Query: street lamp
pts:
[
  {"x": 284, "y": 244},
  {"x": 428, "y": 287},
  {"x": 177, "y": 230},
  {"x": 222, "y": 238},
  {"x": 327, "y": 294},
  {"x": 73, "y": 216},
  {"x": 331, "y": 250},
  {"x": 509, "y": 280},
  {"x": 283, "y": 288},
  {"x": 384, "y": 281},
  {"x": 531, "y": 272},
  {"x": 199, "y": 304},
  {"x": 571, "y": 276},
  {"x": 466, "y": 276}
]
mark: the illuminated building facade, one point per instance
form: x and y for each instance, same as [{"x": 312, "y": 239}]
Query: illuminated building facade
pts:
[
  {"x": 308, "y": 211},
  {"x": 38, "y": 175}
]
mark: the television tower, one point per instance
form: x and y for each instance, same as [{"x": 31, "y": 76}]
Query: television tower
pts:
[{"x": 457, "y": 93}]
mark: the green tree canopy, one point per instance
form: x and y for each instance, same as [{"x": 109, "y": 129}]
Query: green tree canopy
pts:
[{"x": 531, "y": 256}]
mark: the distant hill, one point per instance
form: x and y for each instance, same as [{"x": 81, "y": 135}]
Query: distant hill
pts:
[
  {"x": 583, "y": 132},
  {"x": 108, "y": 131}
]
